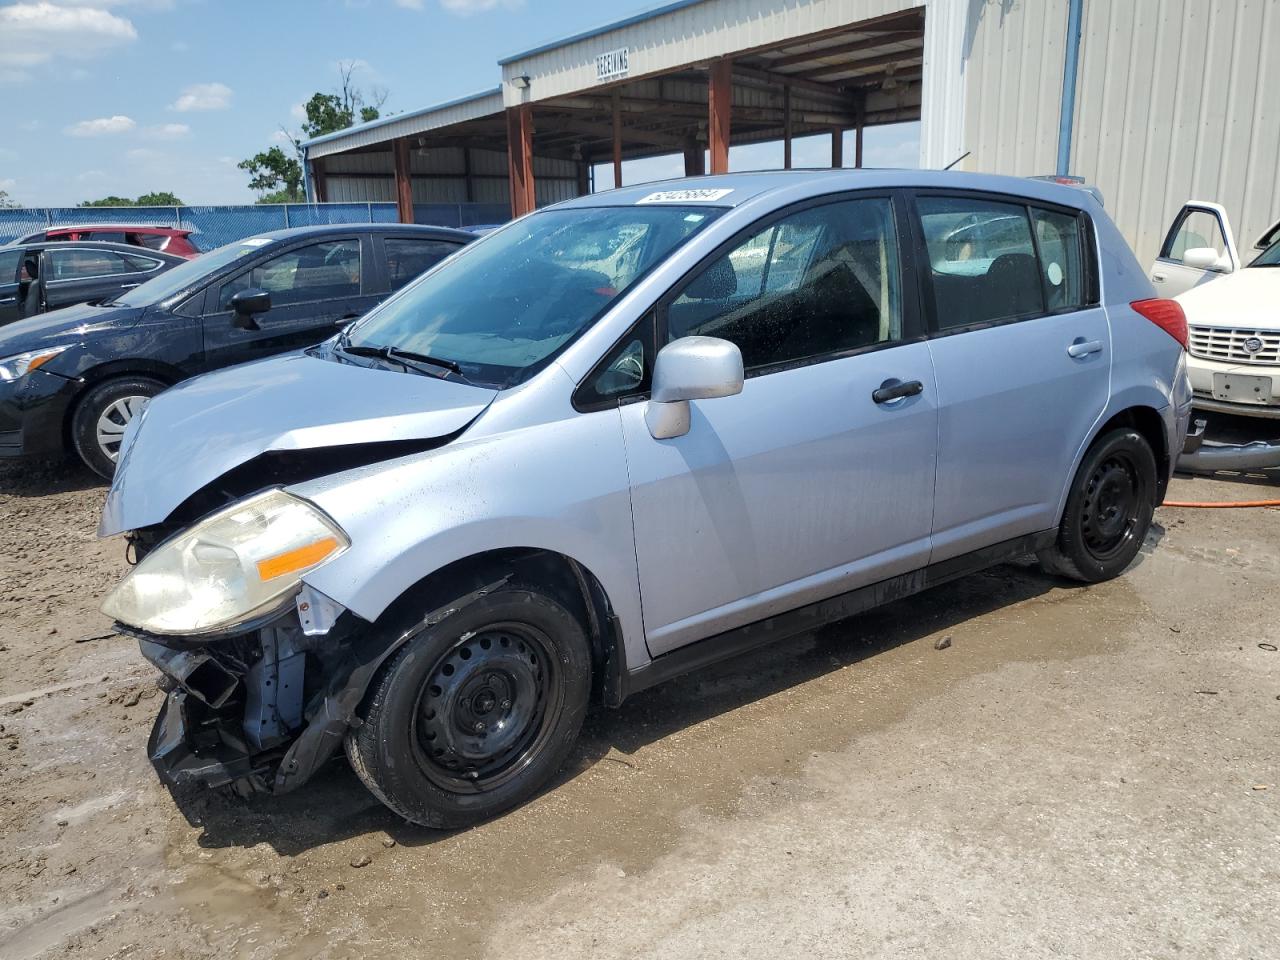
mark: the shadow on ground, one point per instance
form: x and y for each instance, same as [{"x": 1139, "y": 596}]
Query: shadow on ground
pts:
[
  {"x": 335, "y": 806},
  {"x": 39, "y": 478}
]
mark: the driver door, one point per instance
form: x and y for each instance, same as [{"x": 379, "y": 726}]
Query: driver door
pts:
[
  {"x": 1197, "y": 225},
  {"x": 804, "y": 485},
  {"x": 315, "y": 288}
]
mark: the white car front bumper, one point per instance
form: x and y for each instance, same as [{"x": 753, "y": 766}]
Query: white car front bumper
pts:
[{"x": 1209, "y": 377}]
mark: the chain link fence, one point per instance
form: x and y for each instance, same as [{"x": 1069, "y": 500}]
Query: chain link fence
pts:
[{"x": 214, "y": 226}]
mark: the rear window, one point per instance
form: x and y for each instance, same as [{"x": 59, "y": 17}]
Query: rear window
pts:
[{"x": 153, "y": 241}]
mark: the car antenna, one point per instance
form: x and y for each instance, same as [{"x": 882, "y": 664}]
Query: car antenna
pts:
[{"x": 957, "y": 160}]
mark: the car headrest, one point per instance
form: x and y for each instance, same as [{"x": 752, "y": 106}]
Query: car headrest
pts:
[{"x": 717, "y": 282}]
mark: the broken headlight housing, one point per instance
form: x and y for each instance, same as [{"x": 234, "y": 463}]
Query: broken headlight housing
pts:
[{"x": 233, "y": 567}]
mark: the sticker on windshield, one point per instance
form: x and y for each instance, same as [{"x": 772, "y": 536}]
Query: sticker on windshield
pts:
[
  {"x": 255, "y": 242},
  {"x": 701, "y": 195}
]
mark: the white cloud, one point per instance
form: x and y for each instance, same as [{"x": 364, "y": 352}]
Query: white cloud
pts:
[
  {"x": 408, "y": 4},
  {"x": 298, "y": 111},
  {"x": 7, "y": 184},
  {"x": 143, "y": 154},
  {"x": 90, "y": 175},
  {"x": 102, "y": 126},
  {"x": 167, "y": 131},
  {"x": 281, "y": 137},
  {"x": 203, "y": 96},
  {"x": 179, "y": 46},
  {"x": 34, "y": 34},
  {"x": 465, "y": 8}
]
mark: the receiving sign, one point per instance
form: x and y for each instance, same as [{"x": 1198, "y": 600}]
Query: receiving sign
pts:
[
  {"x": 612, "y": 64},
  {"x": 701, "y": 195}
]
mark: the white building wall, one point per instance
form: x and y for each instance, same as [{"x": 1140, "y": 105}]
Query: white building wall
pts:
[{"x": 1176, "y": 100}]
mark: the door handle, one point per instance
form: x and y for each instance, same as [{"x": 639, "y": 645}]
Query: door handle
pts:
[
  {"x": 1158, "y": 277},
  {"x": 345, "y": 319},
  {"x": 1082, "y": 348},
  {"x": 129, "y": 286},
  {"x": 890, "y": 391},
  {"x": 9, "y": 300}
]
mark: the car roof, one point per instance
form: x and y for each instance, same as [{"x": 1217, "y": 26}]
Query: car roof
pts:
[
  {"x": 111, "y": 245},
  {"x": 736, "y": 189},
  {"x": 291, "y": 233}
]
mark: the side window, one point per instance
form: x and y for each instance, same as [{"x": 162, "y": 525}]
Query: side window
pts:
[
  {"x": 328, "y": 270},
  {"x": 408, "y": 258},
  {"x": 10, "y": 261},
  {"x": 625, "y": 371},
  {"x": 114, "y": 236},
  {"x": 138, "y": 264},
  {"x": 822, "y": 281},
  {"x": 82, "y": 263},
  {"x": 1196, "y": 228},
  {"x": 1061, "y": 258},
  {"x": 982, "y": 259}
]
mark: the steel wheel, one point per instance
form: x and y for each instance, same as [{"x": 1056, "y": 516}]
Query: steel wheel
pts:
[
  {"x": 486, "y": 707},
  {"x": 1110, "y": 512},
  {"x": 113, "y": 421}
]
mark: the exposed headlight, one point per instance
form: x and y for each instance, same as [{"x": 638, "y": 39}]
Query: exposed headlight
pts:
[
  {"x": 19, "y": 365},
  {"x": 230, "y": 568}
]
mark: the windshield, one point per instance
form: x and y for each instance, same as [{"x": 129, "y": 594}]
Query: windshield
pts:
[
  {"x": 1269, "y": 257},
  {"x": 185, "y": 274},
  {"x": 503, "y": 308}
]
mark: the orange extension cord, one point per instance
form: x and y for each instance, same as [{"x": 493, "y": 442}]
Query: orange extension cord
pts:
[{"x": 1211, "y": 505}]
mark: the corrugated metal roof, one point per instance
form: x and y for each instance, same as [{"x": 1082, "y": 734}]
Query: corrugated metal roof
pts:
[{"x": 437, "y": 115}]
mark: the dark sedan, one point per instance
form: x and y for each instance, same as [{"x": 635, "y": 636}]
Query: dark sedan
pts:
[
  {"x": 51, "y": 274},
  {"x": 71, "y": 380}
]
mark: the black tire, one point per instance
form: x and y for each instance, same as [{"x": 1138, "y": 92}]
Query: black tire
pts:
[
  {"x": 514, "y": 664},
  {"x": 1108, "y": 512},
  {"x": 106, "y": 400}
]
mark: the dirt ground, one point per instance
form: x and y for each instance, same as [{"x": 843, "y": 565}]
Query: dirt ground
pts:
[{"x": 1080, "y": 773}]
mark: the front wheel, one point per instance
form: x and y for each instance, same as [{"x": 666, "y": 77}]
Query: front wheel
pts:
[
  {"x": 103, "y": 414},
  {"x": 1108, "y": 512},
  {"x": 475, "y": 714}
]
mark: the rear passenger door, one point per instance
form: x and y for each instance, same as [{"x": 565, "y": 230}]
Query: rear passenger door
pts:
[
  {"x": 1022, "y": 354},
  {"x": 315, "y": 288}
]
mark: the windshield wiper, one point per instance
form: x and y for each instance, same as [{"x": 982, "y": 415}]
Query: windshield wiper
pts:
[{"x": 421, "y": 362}]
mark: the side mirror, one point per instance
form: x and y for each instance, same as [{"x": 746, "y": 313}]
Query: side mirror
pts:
[
  {"x": 1206, "y": 258},
  {"x": 691, "y": 368},
  {"x": 245, "y": 304}
]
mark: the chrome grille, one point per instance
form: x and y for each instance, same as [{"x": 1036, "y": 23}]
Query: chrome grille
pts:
[{"x": 1228, "y": 343}]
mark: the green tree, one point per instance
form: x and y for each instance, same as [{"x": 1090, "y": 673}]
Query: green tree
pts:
[
  {"x": 161, "y": 198},
  {"x": 7, "y": 202},
  {"x": 111, "y": 201},
  {"x": 275, "y": 175}
]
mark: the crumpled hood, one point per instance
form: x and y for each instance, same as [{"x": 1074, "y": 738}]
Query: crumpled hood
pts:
[
  {"x": 1243, "y": 300},
  {"x": 195, "y": 432},
  {"x": 62, "y": 326}
]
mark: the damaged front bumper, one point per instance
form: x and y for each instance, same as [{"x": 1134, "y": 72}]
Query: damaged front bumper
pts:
[{"x": 261, "y": 711}]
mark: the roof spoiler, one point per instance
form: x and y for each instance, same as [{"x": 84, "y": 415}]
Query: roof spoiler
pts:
[{"x": 1068, "y": 181}]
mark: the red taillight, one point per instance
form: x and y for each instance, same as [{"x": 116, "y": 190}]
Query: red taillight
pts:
[{"x": 1167, "y": 315}]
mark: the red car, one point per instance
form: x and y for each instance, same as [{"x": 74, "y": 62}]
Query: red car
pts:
[{"x": 172, "y": 240}]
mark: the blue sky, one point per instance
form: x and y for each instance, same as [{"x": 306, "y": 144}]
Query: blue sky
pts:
[{"x": 129, "y": 96}]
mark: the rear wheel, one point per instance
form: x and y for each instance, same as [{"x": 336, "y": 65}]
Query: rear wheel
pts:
[
  {"x": 100, "y": 419},
  {"x": 475, "y": 714},
  {"x": 1108, "y": 511}
]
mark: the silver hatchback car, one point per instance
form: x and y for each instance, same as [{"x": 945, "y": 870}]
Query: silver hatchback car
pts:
[{"x": 619, "y": 439}]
